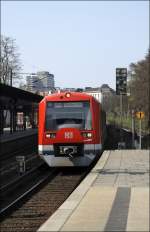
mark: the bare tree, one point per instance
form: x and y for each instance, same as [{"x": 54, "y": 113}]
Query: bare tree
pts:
[{"x": 9, "y": 60}]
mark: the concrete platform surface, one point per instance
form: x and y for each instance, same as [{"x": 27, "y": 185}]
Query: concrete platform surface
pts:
[{"x": 113, "y": 197}]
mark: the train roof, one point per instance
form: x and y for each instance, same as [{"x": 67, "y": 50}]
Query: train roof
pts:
[{"x": 65, "y": 96}]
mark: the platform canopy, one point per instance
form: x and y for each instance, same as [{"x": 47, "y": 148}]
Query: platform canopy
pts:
[{"x": 10, "y": 96}]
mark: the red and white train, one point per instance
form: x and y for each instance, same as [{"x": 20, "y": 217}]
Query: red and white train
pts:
[{"x": 72, "y": 129}]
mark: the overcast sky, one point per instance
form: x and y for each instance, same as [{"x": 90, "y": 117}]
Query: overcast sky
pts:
[{"x": 81, "y": 43}]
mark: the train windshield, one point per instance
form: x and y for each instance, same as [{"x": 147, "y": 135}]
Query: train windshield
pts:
[{"x": 68, "y": 115}]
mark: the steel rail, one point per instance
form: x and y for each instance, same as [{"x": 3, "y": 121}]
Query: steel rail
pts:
[
  {"x": 6, "y": 187},
  {"x": 13, "y": 165},
  {"x": 25, "y": 194}
]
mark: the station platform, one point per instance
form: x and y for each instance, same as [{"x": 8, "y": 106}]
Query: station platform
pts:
[
  {"x": 7, "y": 137},
  {"x": 113, "y": 197}
]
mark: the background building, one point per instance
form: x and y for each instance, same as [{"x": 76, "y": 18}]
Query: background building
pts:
[
  {"x": 32, "y": 82},
  {"x": 104, "y": 94},
  {"x": 46, "y": 81},
  {"x": 40, "y": 82},
  {"x": 95, "y": 92}
]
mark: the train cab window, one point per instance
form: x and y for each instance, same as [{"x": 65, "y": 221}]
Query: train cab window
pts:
[{"x": 68, "y": 115}]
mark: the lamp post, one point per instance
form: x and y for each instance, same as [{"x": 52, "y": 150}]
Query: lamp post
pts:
[{"x": 133, "y": 128}]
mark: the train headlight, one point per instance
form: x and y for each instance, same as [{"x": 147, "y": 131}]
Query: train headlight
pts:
[
  {"x": 51, "y": 135},
  {"x": 87, "y": 134},
  {"x": 67, "y": 94}
]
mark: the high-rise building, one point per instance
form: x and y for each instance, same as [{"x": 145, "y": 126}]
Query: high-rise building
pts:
[
  {"x": 32, "y": 82},
  {"x": 41, "y": 81},
  {"x": 46, "y": 80}
]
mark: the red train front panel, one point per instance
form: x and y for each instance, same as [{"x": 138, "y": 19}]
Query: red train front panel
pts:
[{"x": 69, "y": 129}]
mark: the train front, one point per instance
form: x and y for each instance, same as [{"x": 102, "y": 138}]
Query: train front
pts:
[{"x": 66, "y": 130}]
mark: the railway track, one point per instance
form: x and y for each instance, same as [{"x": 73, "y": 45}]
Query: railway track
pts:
[
  {"x": 16, "y": 187},
  {"x": 41, "y": 200},
  {"x": 20, "y": 146},
  {"x": 12, "y": 164},
  {"x": 11, "y": 170},
  {"x": 10, "y": 156}
]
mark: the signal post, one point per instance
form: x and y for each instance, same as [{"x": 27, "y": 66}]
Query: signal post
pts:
[
  {"x": 140, "y": 115},
  {"x": 121, "y": 89}
]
